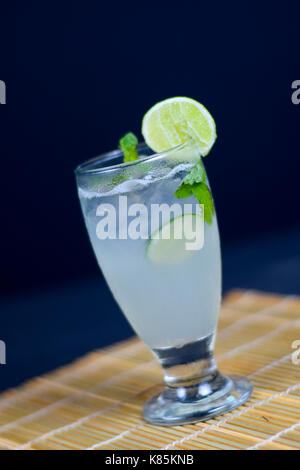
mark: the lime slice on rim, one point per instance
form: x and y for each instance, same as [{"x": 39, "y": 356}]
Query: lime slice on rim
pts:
[
  {"x": 177, "y": 240},
  {"x": 173, "y": 121}
]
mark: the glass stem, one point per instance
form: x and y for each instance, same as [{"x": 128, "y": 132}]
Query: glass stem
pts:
[{"x": 190, "y": 370}]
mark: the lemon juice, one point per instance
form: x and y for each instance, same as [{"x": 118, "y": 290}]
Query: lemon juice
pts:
[{"x": 170, "y": 295}]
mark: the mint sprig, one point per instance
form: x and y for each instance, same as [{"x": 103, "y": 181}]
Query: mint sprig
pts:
[
  {"x": 202, "y": 193},
  {"x": 194, "y": 183},
  {"x": 128, "y": 144},
  {"x": 184, "y": 190},
  {"x": 196, "y": 175}
]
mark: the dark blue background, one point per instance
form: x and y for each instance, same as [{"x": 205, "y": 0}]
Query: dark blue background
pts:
[{"x": 81, "y": 74}]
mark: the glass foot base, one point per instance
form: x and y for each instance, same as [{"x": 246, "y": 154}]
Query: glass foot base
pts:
[{"x": 183, "y": 405}]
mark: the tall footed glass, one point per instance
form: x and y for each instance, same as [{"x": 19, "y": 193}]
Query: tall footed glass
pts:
[{"x": 169, "y": 289}]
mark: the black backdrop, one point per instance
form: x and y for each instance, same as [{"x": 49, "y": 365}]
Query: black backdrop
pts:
[{"x": 81, "y": 74}]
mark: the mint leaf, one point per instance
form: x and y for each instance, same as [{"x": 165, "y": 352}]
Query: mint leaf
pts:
[
  {"x": 184, "y": 190},
  {"x": 119, "y": 179},
  {"x": 196, "y": 175},
  {"x": 145, "y": 167},
  {"x": 194, "y": 183},
  {"x": 128, "y": 144},
  {"x": 202, "y": 192}
]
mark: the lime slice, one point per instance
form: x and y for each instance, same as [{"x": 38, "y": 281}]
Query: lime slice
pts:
[
  {"x": 177, "y": 240},
  {"x": 172, "y": 122}
]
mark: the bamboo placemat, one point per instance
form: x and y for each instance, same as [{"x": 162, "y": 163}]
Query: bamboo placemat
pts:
[{"x": 96, "y": 402}]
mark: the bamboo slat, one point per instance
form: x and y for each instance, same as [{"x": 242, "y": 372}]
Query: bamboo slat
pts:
[{"x": 96, "y": 402}]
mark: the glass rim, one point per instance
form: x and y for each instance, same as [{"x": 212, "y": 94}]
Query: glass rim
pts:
[{"x": 82, "y": 169}]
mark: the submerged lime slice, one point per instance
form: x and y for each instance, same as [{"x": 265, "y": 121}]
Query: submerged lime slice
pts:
[
  {"x": 173, "y": 121},
  {"x": 177, "y": 240}
]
